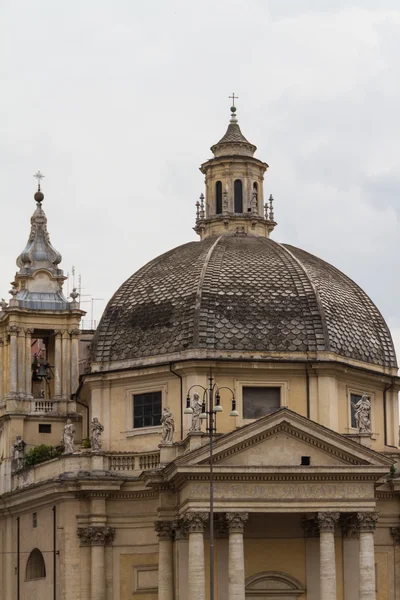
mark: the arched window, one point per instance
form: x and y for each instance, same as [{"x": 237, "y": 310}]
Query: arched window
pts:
[
  {"x": 218, "y": 197},
  {"x": 35, "y": 567},
  {"x": 238, "y": 196},
  {"x": 273, "y": 585}
]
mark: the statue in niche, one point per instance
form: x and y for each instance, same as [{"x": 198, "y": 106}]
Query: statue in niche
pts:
[
  {"x": 362, "y": 413},
  {"x": 69, "y": 437},
  {"x": 197, "y": 408},
  {"x": 96, "y": 429},
  {"x": 19, "y": 452},
  {"x": 168, "y": 426}
]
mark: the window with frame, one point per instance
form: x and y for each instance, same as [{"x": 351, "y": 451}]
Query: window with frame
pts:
[
  {"x": 147, "y": 409},
  {"x": 260, "y": 401},
  {"x": 354, "y": 398}
]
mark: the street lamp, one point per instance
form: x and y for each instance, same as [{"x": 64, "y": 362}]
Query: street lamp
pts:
[{"x": 209, "y": 409}]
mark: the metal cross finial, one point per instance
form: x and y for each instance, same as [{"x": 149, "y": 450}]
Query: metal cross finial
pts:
[
  {"x": 234, "y": 98},
  {"x": 38, "y": 176}
]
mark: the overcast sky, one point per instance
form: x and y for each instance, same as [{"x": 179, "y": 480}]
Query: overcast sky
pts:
[{"x": 117, "y": 102}]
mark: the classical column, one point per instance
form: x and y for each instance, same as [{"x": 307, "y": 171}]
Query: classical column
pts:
[
  {"x": 395, "y": 531},
  {"x": 57, "y": 364},
  {"x": 21, "y": 362},
  {"x": 74, "y": 359},
  {"x": 66, "y": 372},
  {"x": 2, "y": 358},
  {"x": 327, "y": 562},
  {"x": 197, "y": 583},
  {"x": 236, "y": 578},
  {"x": 13, "y": 360},
  {"x": 165, "y": 562},
  {"x": 97, "y": 536},
  {"x": 28, "y": 362},
  {"x": 367, "y": 525}
]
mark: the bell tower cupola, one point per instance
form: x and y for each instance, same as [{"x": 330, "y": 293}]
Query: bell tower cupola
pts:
[{"x": 234, "y": 180}]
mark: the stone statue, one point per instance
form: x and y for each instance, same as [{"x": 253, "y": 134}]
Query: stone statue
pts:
[
  {"x": 168, "y": 426},
  {"x": 68, "y": 437},
  {"x": 19, "y": 452},
  {"x": 363, "y": 413},
  {"x": 96, "y": 429},
  {"x": 197, "y": 408}
]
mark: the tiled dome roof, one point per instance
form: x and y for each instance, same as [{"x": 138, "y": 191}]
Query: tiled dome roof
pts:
[{"x": 241, "y": 294}]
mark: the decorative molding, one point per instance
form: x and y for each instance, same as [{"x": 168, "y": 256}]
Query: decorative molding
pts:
[
  {"x": 236, "y": 521},
  {"x": 367, "y": 521},
  {"x": 164, "y": 530},
  {"x": 96, "y": 535},
  {"x": 327, "y": 521},
  {"x": 196, "y": 521},
  {"x": 287, "y": 428}
]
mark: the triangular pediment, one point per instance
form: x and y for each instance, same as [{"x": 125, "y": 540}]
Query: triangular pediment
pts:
[{"x": 284, "y": 439}]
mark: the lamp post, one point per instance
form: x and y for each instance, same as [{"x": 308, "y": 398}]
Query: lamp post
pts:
[{"x": 209, "y": 410}]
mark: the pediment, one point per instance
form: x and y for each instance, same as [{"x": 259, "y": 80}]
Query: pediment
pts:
[{"x": 281, "y": 440}]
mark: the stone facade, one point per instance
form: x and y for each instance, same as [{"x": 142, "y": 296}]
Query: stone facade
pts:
[{"x": 305, "y": 503}]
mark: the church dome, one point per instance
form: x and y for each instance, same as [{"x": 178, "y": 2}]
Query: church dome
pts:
[{"x": 237, "y": 295}]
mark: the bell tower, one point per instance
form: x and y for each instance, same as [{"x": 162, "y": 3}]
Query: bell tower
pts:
[
  {"x": 39, "y": 345},
  {"x": 234, "y": 180}
]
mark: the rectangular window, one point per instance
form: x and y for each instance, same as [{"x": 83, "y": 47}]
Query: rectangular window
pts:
[
  {"x": 354, "y": 398},
  {"x": 147, "y": 410},
  {"x": 260, "y": 401},
  {"x": 44, "y": 428},
  {"x": 34, "y": 519}
]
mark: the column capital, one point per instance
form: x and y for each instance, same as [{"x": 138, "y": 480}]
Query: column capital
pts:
[
  {"x": 327, "y": 521},
  {"x": 164, "y": 530},
  {"x": 29, "y": 331},
  {"x": 195, "y": 521},
  {"x": 310, "y": 526},
  {"x": 58, "y": 332},
  {"x": 96, "y": 535},
  {"x": 236, "y": 521},
  {"x": 74, "y": 332},
  {"x": 367, "y": 521},
  {"x": 395, "y": 533},
  {"x": 12, "y": 330}
]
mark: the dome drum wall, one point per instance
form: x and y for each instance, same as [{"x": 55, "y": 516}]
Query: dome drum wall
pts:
[
  {"x": 227, "y": 170},
  {"x": 241, "y": 295}
]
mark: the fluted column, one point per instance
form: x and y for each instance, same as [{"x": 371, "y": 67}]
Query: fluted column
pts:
[
  {"x": 165, "y": 561},
  {"x": 28, "y": 362},
  {"x": 197, "y": 583},
  {"x": 74, "y": 359},
  {"x": 236, "y": 577},
  {"x": 367, "y": 525},
  {"x": 327, "y": 522},
  {"x": 66, "y": 372},
  {"x": 57, "y": 364},
  {"x": 13, "y": 360},
  {"x": 97, "y": 536}
]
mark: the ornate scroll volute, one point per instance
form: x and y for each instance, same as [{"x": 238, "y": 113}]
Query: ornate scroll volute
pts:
[
  {"x": 236, "y": 521},
  {"x": 327, "y": 521},
  {"x": 96, "y": 535},
  {"x": 196, "y": 521},
  {"x": 164, "y": 530},
  {"x": 367, "y": 522}
]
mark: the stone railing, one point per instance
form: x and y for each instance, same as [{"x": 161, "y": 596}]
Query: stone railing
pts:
[
  {"x": 127, "y": 464},
  {"x": 42, "y": 406},
  {"x": 134, "y": 461}
]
